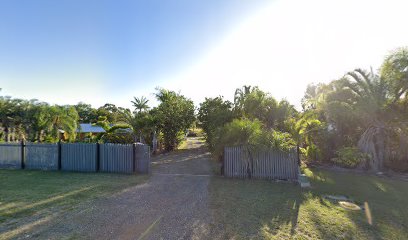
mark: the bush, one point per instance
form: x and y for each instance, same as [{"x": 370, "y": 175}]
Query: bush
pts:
[
  {"x": 349, "y": 157},
  {"x": 120, "y": 138},
  {"x": 250, "y": 133}
]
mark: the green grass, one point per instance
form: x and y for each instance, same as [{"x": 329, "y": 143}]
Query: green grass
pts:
[
  {"x": 25, "y": 193},
  {"x": 266, "y": 210},
  {"x": 183, "y": 145},
  {"x": 198, "y": 141}
]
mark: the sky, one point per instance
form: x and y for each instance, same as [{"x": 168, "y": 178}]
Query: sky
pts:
[{"x": 98, "y": 52}]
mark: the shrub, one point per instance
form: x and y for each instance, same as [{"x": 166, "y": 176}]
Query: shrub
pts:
[
  {"x": 120, "y": 138},
  {"x": 250, "y": 133},
  {"x": 349, "y": 157}
]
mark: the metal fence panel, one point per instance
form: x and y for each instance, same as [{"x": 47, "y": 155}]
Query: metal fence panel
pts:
[
  {"x": 81, "y": 157},
  {"x": 41, "y": 156},
  {"x": 267, "y": 164},
  {"x": 116, "y": 158},
  {"x": 142, "y": 157},
  {"x": 10, "y": 155}
]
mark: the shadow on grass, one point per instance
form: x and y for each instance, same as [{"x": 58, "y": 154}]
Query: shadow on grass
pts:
[
  {"x": 251, "y": 209},
  {"x": 246, "y": 209},
  {"x": 386, "y": 198},
  {"x": 19, "y": 209},
  {"x": 29, "y": 199}
]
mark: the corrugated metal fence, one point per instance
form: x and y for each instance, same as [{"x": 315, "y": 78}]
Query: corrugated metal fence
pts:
[
  {"x": 142, "y": 151},
  {"x": 116, "y": 158},
  {"x": 81, "y": 157},
  {"x": 10, "y": 155},
  {"x": 41, "y": 156},
  {"x": 260, "y": 164}
]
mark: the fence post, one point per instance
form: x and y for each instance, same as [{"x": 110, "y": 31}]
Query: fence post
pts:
[
  {"x": 22, "y": 154},
  {"x": 134, "y": 157},
  {"x": 298, "y": 154},
  {"x": 59, "y": 155},
  {"x": 98, "y": 157},
  {"x": 223, "y": 163}
]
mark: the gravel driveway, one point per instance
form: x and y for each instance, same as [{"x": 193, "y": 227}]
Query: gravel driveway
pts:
[{"x": 173, "y": 204}]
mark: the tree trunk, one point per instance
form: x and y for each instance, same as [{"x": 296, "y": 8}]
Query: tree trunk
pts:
[
  {"x": 373, "y": 142},
  {"x": 6, "y": 134}
]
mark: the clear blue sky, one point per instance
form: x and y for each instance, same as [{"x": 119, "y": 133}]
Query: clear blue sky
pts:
[
  {"x": 110, "y": 47},
  {"x": 109, "y": 51}
]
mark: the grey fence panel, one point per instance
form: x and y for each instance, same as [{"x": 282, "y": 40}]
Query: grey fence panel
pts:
[
  {"x": 142, "y": 157},
  {"x": 267, "y": 164},
  {"x": 116, "y": 158},
  {"x": 234, "y": 162},
  {"x": 41, "y": 156},
  {"x": 81, "y": 157},
  {"x": 10, "y": 155}
]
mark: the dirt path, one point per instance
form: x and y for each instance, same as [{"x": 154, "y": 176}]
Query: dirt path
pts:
[{"x": 173, "y": 204}]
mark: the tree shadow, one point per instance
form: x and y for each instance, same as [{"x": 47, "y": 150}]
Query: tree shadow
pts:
[
  {"x": 386, "y": 199},
  {"x": 246, "y": 209},
  {"x": 31, "y": 199}
]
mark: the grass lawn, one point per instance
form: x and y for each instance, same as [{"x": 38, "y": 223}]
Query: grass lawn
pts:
[
  {"x": 26, "y": 196},
  {"x": 265, "y": 210},
  {"x": 189, "y": 143}
]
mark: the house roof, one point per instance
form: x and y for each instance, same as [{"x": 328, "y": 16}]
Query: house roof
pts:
[{"x": 89, "y": 128}]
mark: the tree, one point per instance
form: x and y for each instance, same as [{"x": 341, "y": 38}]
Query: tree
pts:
[
  {"x": 253, "y": 103},
  {"x": 143, "y": 124},
  {"x": 140, "y": 104},
  {"x": 371, "y": 101},
  {"x": 306, "y": 132},
  {"x": 110, "y": 111},
  {"x": 213, "y": 114},
  {"x": 174, "y": 115},
  {"x": 61, "y": 118},
  {"x": 394, "y": 70},
  {"x": 86, "y": 113}
]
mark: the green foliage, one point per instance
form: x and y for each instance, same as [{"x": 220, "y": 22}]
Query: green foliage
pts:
[
  {"x": 86, "y": 113},
  {"x": 212, "y": 115},
  {"x": 395, "y": 72},
  {"x": 349, "y": 157},
  {"x": 121, "y": 138},
  {"x": 111, "y": 112},
  {"x": 362, "y": 109},
  {"x": 253, "y": 103},
  {"x": 174, "y": 116},
  {"x": 34, "y": 121},
  {"x": 116, "y": 134},
  {"x": 251, "y": 133},
  {"x": 140, "y": 104}
]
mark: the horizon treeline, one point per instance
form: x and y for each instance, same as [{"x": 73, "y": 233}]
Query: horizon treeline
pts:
[{"x": 357, "y": 120}]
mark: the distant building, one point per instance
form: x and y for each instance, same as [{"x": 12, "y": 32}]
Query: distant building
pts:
[{"x": 87, "y": 130}]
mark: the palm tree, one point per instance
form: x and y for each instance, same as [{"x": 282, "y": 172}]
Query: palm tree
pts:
[
  {"x": 240, "y": 95},
  {"x": 140, "y": 104},
  {"x": 395, "y": 72},
  {"x": 62, "y": 118},
  {"x": 374, "y": 102},
  {"x": 304, "y": 131},
  {"x": 142, "y": 123}
]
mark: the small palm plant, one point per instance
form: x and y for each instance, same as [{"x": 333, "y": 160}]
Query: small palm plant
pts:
[{"x": 140, "y": 104}]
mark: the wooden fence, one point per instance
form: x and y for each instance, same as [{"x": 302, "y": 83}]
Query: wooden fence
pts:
[
  {"x": 79, "y": 157},
  {"x": 260, "y": 164}
]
